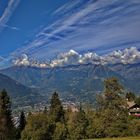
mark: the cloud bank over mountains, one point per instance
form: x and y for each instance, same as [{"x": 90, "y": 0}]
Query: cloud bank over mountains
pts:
[
  {"x": 22, "y": 60},
  {"x": 126, "y": 56}
]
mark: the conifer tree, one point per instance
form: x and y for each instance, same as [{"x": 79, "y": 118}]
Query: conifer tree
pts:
[
  {"x": 6, "y": 125},
  {"x": 113, "y": 93},
  {"x": 112, "y": 105},
  {"x": 45, "y": 110},
  {"x": 56, "y": 109},
  {"x": 130, "y": 96},
  {"x": 137, "y": 100},
  {"x": 56, "y": 114},
  {"x": 81, "y": 125},
  {"x": 22, "y": 123}
]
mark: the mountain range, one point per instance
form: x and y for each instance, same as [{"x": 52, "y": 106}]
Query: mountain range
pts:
[
  {"x": 13, "y": 87},
  {"x": 20, "y": 94},
  {"x": 74, "y": 76},
  {"x": 75, "y": 82}
]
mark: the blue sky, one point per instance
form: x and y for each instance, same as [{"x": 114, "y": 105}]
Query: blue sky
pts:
[{"x": 44, "y": 28}]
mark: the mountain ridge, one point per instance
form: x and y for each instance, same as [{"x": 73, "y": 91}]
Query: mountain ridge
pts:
[
  {"x": 75, "y": 81},
  {"x": 20, "y": 94},
  {"x": 70, "y": 81}
]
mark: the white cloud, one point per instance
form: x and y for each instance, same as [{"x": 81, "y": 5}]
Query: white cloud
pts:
[
  {"x": 92, "y": 25},
  {"x": 10, "y": 27},
  {"x": 63, "y": 24},
  {"x": 23, "y": 60},
  {"x": 66, "y": 7},
  {"x": 90, "y": 57},
  {"x": 126, "y": 56},
  {"x": 69, "y": 58},
  {"x": 12, "y": 4},
  {"x": 64, "y": 59},
  {"x": 74, "y": 58}
]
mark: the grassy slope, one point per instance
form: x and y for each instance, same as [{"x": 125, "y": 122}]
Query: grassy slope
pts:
[{"x": 127, "y": 138}]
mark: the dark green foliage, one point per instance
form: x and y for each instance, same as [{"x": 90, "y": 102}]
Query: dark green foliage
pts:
[
  {"x": 37, "y": 128},
  {"x": 49, "y": 125},
  {"x": 113, "y": 89},
  {"x": 114, "y": 94},
  {"x": 22, "y": 123},
  {"x": 137, "y": 100},
  {"x": 60, "y": 132},
  {"x": 130, "y": 96},
  {"x": 56, "y": 116},
  {"x": 56, "y": 111},
  {"x": 134, "y": 127},
  {"x": 81, "y": 124},
  {"x": 109, "y": 119},
  {"x": 6, "y": 125},
  {"x": 45, "y": 110},
  {"x": 112, "y": 115}
]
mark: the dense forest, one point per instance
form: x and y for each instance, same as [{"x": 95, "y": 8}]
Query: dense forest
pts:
[{"x": 109, "y": 117}]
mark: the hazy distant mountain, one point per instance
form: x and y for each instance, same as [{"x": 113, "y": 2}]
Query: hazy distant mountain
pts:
[
  {"x": 13, "y": 87},
  {"x": 75, "y": 81},
  {"x": 131, "y": 72},
  {"x": 1, "y": 58},
  {"x": 80, "y": 81},
  {"x": 20, "y": 94}
]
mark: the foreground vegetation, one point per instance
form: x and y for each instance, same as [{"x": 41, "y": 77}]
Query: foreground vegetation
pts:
[
  {"x": 125, "y": 138},
  {"x": 109, "y": 118}
]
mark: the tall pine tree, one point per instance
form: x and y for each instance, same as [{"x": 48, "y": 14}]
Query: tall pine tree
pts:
[
  {"x": 22, "y": 123},
  {"x": 57, "y": 118},
  {"x": 56, "y": 109},
  {"x": 81, "y": 125},
  {"x": 112, "y": 111},
  {"x": 6, "y": 124}
]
